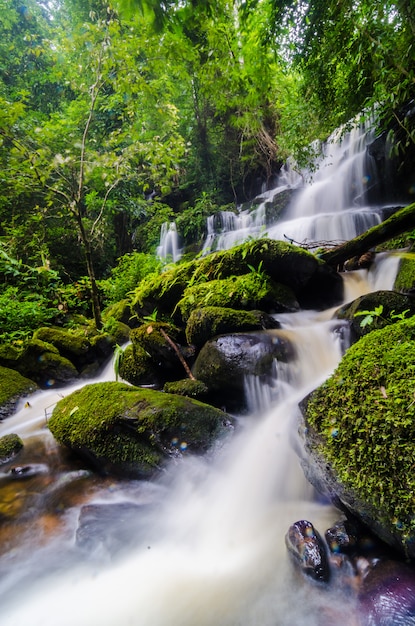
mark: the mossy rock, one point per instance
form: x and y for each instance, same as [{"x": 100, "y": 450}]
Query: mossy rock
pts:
[
  {"x": 312, "y": 281},
  {"x": 188, "y": 387},
  {"x": 161, "y": 341},
  {"x": 41, "y": 362},
  {"x": 162, "y": 291},
  {"x": 405, "y": 277},
  {"x": 120, "y": 311},
  {"x": 130, "y": 431},
  {"x": 390, "y": 303},
  {"x": 138, "y": 368},
  {"x": 68, "y": 343},
  {"x": 13, "y": 386},
  {"x": 207, "y": 322},
  {"x": 10, "y": 446},
  {"x": 225, "y": 362},
  {"x": 246, "y": 292},
  {"x": 359, "y": 430}
]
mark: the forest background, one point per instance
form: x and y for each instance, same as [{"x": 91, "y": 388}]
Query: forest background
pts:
[{"x": 118, "y": 117}]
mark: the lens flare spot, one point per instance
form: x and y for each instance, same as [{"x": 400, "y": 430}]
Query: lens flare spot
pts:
[{"x": 183, "y": 446}]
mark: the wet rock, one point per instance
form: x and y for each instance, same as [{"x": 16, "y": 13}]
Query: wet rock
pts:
[
  {"x": 10, "y": 446},
  {"x": 308, "y": 550},
  {"x": 129, "y": 431},
  {"x": 224, "y": 362}
]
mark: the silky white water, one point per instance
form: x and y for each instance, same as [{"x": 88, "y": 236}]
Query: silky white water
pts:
[{"x": 210, "y": 549}]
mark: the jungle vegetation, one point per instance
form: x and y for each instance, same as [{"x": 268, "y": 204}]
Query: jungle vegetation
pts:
[{"x": 116, "y": 116}]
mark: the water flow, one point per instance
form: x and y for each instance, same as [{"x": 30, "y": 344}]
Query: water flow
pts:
[
  {"x": 211, "y": 551},
  {"x": 330, "y": 203},
  {"x": 169, "y": 248}
]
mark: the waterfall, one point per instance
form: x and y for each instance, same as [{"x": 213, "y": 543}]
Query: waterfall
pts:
[
  {"x": 330, "y": 203},
  {"x": 205, "y": 544},
  {"x": 168, "y": 248}
]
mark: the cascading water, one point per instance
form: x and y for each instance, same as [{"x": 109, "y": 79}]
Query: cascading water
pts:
[
  {"x": 329, "y": 203},
  {"x": 206, "y": 543},
  {"x": 169, "y": 246}
]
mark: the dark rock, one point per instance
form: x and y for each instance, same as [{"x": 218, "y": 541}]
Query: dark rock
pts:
[
  {"x": 308, "y": 550},
  {"x": 225, "y": 361}
]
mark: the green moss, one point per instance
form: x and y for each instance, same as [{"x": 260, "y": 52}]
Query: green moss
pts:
[
  {"x": 137, "y": 367},
  {"x": 187, "y": 387},
  {"x": 365, "y": 414},
  {"x": 10, "y": 445},
  {"x": 127, "y": 425},
  {"x": 205, "y": 323},
  {"x": 405, "y": 278},
  {"x": 13, "y": 385},
  {"x": 249, "y": 291},
  {"x": 65, "y": 341}
]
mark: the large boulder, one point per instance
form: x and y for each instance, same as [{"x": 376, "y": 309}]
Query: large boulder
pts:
[
  {"x": 225, "y": 362},
  {"x": 13, "y": 386},
  {"x": 130, "y": 431},
  {"x": 207, "y": 322},
  {"x": 359, "y": 434},
  {"x": 313, "y": 283}
]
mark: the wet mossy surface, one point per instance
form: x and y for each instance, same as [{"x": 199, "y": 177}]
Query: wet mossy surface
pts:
[
  {"x": 10, "y": 446},
  {"x": 128, "y": 430},
  {"x": 361, "y": 423},
  {"x": 12, "y": 387}
]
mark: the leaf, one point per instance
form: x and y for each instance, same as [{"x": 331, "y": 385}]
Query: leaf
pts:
[{"x": 74, "y": 410}]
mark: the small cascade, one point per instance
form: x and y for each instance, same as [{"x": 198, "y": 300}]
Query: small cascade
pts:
[{"x": 168, "y": 248}]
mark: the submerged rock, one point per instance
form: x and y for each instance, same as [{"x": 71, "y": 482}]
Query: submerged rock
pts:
[
  {"x": 308, "y": 551},
  {"x": 131, "y": 431}
]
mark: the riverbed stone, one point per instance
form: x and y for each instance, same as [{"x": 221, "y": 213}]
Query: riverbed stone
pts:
[
  {"x": 129, "y": 431},
  {"x": 10, "y": 446},
  {"x": 358, "y": 430}
]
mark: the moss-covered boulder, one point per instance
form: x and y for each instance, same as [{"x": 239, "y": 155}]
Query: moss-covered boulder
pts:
[
  {"x": 375, "y": 310},
  {"x": 130, "y": 431},
  {"x": 314, "y": 283},
  {"x": 359, "y": 433},
  {"x": 121, "y": 312},
  {"x": 248, "y": 291},
  {"x": 138, "y": 368},
  {"x": 13, "y": 386},
  {"x": 10, "y": 446},
  {"x": 207, "y": 322},
  {"x": 405, "y": 277},
  {"x": 41, "y": 362},
  {"x": 226, "y": 362}
]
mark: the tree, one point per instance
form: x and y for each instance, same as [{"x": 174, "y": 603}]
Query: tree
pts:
[{"x": 74, "y": 158}]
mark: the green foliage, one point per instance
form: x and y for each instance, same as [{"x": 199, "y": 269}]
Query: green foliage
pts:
[
  {"x": 129, "y": 271},
  {"x": 21, "y": 313}
]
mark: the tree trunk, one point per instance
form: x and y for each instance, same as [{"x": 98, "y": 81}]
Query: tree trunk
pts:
[
  {"x": 398, "y": 223},
  {"x": 96, "y": 308}
]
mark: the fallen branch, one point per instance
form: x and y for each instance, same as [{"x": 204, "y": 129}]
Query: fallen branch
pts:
[{"x": 177, "y": 351}]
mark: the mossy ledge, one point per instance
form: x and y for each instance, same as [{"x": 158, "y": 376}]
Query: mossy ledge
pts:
[
  {"x": 13, "y": 386},
  {"x": 360, "y": 433},
  {"x": 131, "y": 431}
]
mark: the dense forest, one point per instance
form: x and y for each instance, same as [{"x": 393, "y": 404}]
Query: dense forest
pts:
[{"x": 118, "y": 117}]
